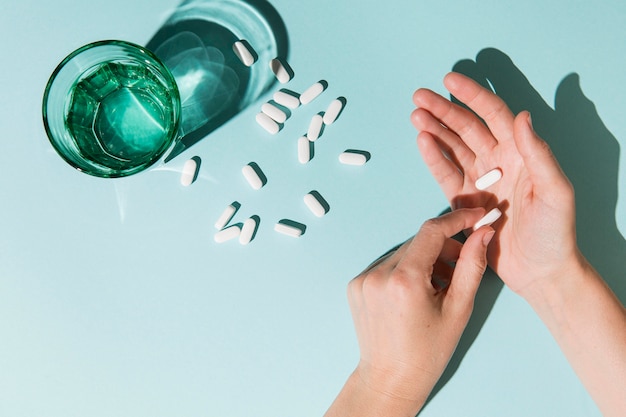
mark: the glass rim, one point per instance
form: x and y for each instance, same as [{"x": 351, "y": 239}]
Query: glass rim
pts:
[{"x": 108, "y": 42}]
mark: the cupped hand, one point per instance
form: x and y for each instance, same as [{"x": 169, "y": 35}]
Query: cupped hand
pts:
[
  {"x": 535, "y": 240},
  {"x": 411, "y": 307}
]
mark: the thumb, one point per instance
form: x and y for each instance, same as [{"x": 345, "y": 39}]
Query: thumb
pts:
[
  {"x": 542, "y": 166},
  {"x": 469, "y": 271}
]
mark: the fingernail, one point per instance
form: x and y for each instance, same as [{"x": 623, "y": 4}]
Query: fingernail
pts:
[
  {"x": 530, "y": 122},
  {"x": 488, "y": 236}
]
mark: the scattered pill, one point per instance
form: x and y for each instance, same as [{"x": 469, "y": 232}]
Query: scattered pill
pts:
[
  {"x": 304, "y": 150},
  {"x": 254, "y": 175},
  {"x": 488, "y": 179},
  {"x": 245, "y": 53},
  {"x": 289, "y": 228},
  {"x": 267, "y": 123},
  {"x": 332, "y": 112},
  {"x": 248, "y": 230},
  {"x": 287, "y": 98},
  {"x": 281, "y": 70},
  {"x": 312, "y": 92},
  {"x": 226, "y": 215},
  {"x": 190, "y": 171},
  {"x": 274, "y": 112},
  {"x": 352, "y": 157},
  {"x": 227, "y": 234},
  {"x": 315, "y": 127},
  {"x": 316, "y": 203},
  {"x": 488, "y": 218}
]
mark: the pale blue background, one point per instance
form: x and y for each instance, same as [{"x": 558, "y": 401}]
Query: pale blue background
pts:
[{"x": 114, "y": 298}]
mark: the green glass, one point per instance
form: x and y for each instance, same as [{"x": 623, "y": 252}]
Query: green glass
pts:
[{"x": 111, "y": 109}]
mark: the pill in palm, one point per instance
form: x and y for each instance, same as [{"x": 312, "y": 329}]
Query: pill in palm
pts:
[
  {"x": 333, "y": 110},
  {"x": 269, "y": 124},
  {"x": 312, "y": 92},
  {"x": 245, "y": 53},
  {"x": 274, "y": 112},
  {"x": 248, "y": 230},
  {"x": 253, "y": 174},
  {"x": 316, "y": 203},
  {"x": 315, "y": 128},
  {"x": 488, "y": 218},
  {"x": 227, "y": 234},
  {"x": 281, "y": 70},
  {"x": 190, "y": 171},
  {"x": 304, "y": 150},
  {"x": 226, "y": 215},
  {"x": 353, "y": 157},
  {"x": 287, "y": 98},
  {"x": 488, "y": 179}
]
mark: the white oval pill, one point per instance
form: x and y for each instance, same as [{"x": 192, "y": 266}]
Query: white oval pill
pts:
[
  {"x": 315, "y": 205},
  {"x": 227, "y": 234},
  {"x": 226, "y": 216},
  {"x": 248, "y": 230},
  {"x": 253, "y": 178},
  {"x": 352, "y": 158},
  {"x": 287, "y": 229},
  {"x": 287, "y": 98},
  {"x": 281, "y": 70},
  {"x": 190, "y": 172},
  {"x": 315, "y": 128},
  {"x": 333, "y": 110},
  {"x": 267, "y": 123},
  {"x": 311, "y": 93},
  {"x": 304, "y": 150},
  {"x": 274, "y": 112},
  {"x": 246, "y": 55},
  {"x": 488, "y": 179},
  {"x": 488, "y": 218}
]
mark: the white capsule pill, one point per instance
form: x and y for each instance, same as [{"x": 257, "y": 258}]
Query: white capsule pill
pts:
[
  {"x": 281, "y": 70},
  {"x": 274, "y": 112},
  {"x": 248, "y": 231},
  {"x": 488, "y": 218},
  {"x": 332, "y": 112},
  {"x": 304, "y": 150},
  {"x": 267, "y": 123},
  {"x": 288, "y": 229},
  {"x": 316, "y": 204},
  {"x": 252, "y": 176},
  {"x": 315, "y": 127},
  {"x": 245, "y": 53},
  {"x": 352, "y": 158},
  {"x": 227, "y": 234},
  {"x": 287, "y": 98},
  {"x": 190, "y": 171},
  {"x": 226, "y": 216},
  {"x": 312, "y": 92},
  {"x": 488, "y": 179}
]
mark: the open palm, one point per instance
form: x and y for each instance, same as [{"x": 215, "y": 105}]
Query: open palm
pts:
[{"x": 536, "y": 236}]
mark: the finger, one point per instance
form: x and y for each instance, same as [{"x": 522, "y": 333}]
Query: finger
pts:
[
  {"x": 445, "y": 172},
  {"x": 542, "y": 166},
  {"x": 423, "y": 251},
  {"x": 460, "y": 120},
  {"x": 448, "y": 141},
  {"x": 468, "y": 272},
  {"x": 491, "y": 108},
  {"x": 450, "y": 251}
]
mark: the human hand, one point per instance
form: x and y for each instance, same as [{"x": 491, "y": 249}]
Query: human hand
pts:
[
  {"x": 536, "y": 238},
  {"x": 411, "y": 307}
]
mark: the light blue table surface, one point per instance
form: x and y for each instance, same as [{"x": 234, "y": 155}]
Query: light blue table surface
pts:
[{"x": 116, "y": 301}]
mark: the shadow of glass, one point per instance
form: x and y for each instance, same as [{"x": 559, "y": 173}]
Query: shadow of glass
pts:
[
  {"x": 589, "y": 156},
  {"x": 196, "y": 42}
]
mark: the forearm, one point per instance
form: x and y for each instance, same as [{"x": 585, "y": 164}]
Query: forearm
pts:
[
  {"x": 358, "y": 399},
  {"x": 589, "y": 324}
]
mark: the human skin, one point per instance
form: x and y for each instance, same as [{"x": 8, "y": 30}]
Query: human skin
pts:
[{"x": 534, "y": 250}]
